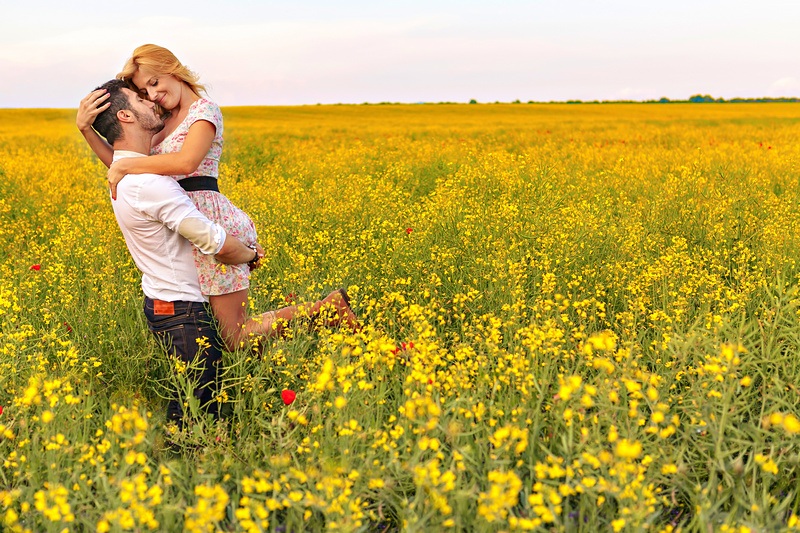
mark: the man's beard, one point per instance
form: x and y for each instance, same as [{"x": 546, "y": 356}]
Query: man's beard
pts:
[{"x": 150, "y": 122}]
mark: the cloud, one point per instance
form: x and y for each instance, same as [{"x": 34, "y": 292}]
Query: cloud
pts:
[
  {"x": 631, "y": 93},
  {"x": 788, "y": 86}
]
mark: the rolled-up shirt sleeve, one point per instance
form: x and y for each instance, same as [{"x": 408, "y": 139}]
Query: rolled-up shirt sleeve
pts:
[
  {"x": 166, "y": 202},
  {"x": 206, "y": 235}
]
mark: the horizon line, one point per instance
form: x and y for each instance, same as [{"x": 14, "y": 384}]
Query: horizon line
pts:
[{"x": 694, "y": 99}]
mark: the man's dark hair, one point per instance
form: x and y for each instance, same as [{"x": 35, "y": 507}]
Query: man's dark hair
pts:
[{"x": 106, "y": 123}]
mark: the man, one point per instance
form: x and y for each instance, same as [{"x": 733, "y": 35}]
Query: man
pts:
[{"x": 160, "y": 225}]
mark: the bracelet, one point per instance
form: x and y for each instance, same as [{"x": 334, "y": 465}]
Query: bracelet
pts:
[{"x": 254, "y": 260}]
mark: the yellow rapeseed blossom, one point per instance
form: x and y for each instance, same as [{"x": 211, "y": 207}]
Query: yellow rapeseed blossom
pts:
[
  {"x": 208, "y": 511},
  {"x": 626, "y": 449}
]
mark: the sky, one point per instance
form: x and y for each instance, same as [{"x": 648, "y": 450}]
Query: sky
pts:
[{"x": 251, "y": 52}]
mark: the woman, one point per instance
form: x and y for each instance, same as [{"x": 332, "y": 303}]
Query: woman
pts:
[{"x": 188, "y": 149}]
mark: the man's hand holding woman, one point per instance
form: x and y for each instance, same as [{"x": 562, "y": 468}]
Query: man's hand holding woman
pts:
[{"x": 254, "y": 264}]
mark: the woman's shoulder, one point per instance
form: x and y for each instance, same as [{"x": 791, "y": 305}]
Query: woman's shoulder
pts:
[
  {"x": 204, "y": 104},
  {"x": 205, "y": 109}
]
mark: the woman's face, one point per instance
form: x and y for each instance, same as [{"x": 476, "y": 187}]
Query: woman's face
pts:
[{"x": 163, "y": 90}]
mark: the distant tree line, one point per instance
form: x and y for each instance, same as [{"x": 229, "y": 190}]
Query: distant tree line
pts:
[
  {"x": 694, "y": 99},
  {"x": 704, "y": 98}
]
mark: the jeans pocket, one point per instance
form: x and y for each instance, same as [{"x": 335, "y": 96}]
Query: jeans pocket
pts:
[{"x": 174, "y": 340}]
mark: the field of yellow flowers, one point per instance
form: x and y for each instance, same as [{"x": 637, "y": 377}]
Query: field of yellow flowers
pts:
[{"x": 578, "y": 318}]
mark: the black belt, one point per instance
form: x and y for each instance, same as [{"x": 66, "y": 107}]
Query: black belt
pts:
[{"x": 199, "y": 183}]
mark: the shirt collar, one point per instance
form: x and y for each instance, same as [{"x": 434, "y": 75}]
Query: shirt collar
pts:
[{"x": 122, "y": 154}]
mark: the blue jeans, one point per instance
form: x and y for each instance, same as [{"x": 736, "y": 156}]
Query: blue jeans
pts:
[{"x": 178, "y": 328}]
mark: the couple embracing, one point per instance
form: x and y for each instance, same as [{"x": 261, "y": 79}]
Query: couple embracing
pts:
[{"x": 195, "y": 249}]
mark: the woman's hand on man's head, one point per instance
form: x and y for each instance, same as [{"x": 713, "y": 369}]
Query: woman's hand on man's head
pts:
[{"x": 92, "y": 105}]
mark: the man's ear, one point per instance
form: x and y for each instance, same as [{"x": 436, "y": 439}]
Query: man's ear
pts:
[{"x": 125, "y": 115}]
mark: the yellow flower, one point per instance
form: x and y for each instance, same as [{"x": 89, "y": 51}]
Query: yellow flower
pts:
[
  {"x": 767, "y": 464},
  {"x": 791, "y": 424},
  {"x": 669, "y": 469},
  {"x": 628, "y": 450}
]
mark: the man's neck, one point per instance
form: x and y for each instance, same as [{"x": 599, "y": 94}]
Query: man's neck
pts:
[{"x": 138, "y": 141}]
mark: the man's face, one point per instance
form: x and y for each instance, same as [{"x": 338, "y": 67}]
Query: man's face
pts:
[{"x": 145, "y": 112}]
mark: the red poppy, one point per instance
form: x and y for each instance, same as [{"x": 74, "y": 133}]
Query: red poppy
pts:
[
  {"x": 288, "y": 396},
  {"x": 291, "y": 297},
  {"x": 69, "y": 328},
  {"x": 403, "y": 347},
  {"x": 37, "y": 266},
  {"x": 1, "y": 409},
  {"x": 409, "y": 230}
]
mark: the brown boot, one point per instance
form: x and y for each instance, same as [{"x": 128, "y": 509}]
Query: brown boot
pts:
[{"x": 334, "y": 310}]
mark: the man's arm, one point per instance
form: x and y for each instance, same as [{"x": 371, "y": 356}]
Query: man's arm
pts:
[
  {"x": 211, "y": 238},
  {"x": 168, "y": 203},
  {"x": 235, "y": 252}
]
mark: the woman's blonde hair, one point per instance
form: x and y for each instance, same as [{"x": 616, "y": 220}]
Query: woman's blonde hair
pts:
[{"x": 160, "y": 62}]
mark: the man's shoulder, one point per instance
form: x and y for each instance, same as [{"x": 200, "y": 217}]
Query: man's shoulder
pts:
[
  {"x": 154, "y": 185},
  {"x": 157, "y": 196}
]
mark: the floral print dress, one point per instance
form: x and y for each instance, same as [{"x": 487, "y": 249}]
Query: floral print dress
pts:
[{"x": 215, "y": 277}]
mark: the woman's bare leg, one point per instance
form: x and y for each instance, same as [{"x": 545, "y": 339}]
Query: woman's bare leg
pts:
[
  {"x": 230, "y": 310},
  {"x": 236, "y": 329}
]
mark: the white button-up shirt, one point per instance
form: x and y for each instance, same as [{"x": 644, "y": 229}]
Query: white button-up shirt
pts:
[{"x": 149, "y": 209}]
